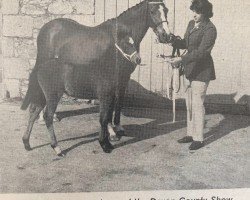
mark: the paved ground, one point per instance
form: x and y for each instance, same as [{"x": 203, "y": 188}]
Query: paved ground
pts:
[{"x": 148, "y": 159}]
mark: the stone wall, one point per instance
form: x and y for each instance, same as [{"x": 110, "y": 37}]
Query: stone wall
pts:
[{"x": 21, "y": 21}]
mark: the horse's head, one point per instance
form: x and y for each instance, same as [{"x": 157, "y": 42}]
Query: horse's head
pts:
[
  {"x": 125, "y": 44},
  {"x": 157, "y": 13}
]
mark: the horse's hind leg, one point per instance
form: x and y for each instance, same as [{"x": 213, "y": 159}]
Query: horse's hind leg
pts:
[
  {"x": 34, "y": 111},
  {"x": 48, "y": 117}
]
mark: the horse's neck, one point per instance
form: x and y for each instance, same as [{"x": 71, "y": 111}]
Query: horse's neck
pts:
[{"x": 136, "y": 19}]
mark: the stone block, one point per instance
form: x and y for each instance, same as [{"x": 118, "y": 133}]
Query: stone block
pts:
[
  {"x": 1, "y": 91},
  {"x": 35, "y": 34},
  {"x": 12, "y": 86},
  {"x": 1, "y": 76},
  {"x": 32, "y": 63},
  {"x": 25, "y": 48},
  {"x": 1, "y": 61},
  {"x": 38, "y": 22},
  {"x": 42, "y": 3},
  {"x": 87, "y": 20},
  {"x": 8, "y": 47},
  {"x": 33, "y": 9},
  {"x": 15, "y": 68},
  {"x": 99, "y": 12},
  {"x": 10, "y": 6},
  {"x": 17, "y": 26},
  {"x": 1, "y": 24},
  {"x": 86, "y": 7},
  {"x": 60, "y": 7}
]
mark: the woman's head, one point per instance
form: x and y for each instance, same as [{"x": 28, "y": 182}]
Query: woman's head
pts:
[{"x": 202, "y": 9}]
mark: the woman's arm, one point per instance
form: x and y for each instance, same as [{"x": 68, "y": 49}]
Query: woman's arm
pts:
[
  {"x": 179, "y": 43},
  {"x": 205, "y": 47}
]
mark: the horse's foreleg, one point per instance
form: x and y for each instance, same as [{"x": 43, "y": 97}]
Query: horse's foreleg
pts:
[
  {"x": 105, "y": 114},
  {"x": 48, "y": 117},
  {"x": 112, "y": 134},
  {"x": 118, "y": 107},
  {"x": 34, "y": 111}
]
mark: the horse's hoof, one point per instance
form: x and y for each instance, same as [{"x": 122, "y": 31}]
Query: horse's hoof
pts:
[
  {"x": 106, "y": 146},
  {"x": 58, "y": 151},
  {"x": 107, "y": 150},
  {"x": 110, "y": 146},
  {"x": 26, "y": 145},
  {"x": 61, "y": 155},
  {"x": 121, "y": 133},
  {"x": 41, "y": 122},
  {"x": 114, "y": 138}
]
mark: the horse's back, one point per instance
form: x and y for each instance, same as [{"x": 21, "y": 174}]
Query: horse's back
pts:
[
  {"x": 72, "y": 40},
  {"x": 54, "y": 33}
]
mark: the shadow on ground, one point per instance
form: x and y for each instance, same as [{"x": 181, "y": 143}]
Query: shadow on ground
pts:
[
  {"x": 229, "y": 124},
  {"x": 161, "y": 119}
]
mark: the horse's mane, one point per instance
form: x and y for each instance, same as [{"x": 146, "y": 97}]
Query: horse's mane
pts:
[{"x": 124, "y": 13}]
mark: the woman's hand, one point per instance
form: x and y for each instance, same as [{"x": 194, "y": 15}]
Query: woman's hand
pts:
[{"x": 175, "y": 61}]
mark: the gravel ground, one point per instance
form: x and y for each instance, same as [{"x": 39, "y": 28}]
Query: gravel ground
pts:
[{"x": 149, "y": 158}]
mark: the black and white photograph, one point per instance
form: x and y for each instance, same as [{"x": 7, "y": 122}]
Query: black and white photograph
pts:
[{"x": 125, "y": 99}]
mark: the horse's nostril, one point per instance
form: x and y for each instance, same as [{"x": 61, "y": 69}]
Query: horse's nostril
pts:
[{"x": 138, "y": 61}]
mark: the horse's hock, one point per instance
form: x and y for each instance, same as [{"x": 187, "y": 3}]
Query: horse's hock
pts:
[{"x": 20, "y": 22}]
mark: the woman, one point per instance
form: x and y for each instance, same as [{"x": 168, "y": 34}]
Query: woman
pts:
[{"x": 199, "y": 70}]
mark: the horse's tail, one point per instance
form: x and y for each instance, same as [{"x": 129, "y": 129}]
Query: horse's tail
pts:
[{"x": 34, "y": 93}]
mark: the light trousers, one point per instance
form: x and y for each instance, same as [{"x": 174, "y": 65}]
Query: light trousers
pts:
[{"x": 195, "y": 95}]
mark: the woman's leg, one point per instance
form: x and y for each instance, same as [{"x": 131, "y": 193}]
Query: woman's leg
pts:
[
  {"x": 188, "y": 101},
  {"x": 190, "y": 122},
  {"x": 198, "y": 110}
]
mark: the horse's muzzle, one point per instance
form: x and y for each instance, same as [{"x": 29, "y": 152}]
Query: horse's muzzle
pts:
[{"x": 136, "y": 59}]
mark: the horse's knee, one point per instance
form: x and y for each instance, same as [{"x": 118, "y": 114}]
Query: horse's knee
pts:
[
  {"x": 48, "y": 118},
  {"x": 104, "y": 116}
]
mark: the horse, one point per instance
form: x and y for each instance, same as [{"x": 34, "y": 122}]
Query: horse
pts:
[
  {"x": 79, "y": 78},
  {"x": 59, "y": 38}
]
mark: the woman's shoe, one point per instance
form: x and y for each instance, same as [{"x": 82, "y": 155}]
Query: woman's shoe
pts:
[
  {"x": 185, "y": 139},
  {"x": 196, "y": 145}
]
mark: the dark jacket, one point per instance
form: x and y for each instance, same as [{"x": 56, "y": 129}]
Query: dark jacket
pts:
[{"x": 198, "y": 62}]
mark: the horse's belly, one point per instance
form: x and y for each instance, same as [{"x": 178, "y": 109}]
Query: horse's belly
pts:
[{"x": 81, "y": 85}]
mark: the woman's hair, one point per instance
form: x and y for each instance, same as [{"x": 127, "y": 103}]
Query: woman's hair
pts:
[{"x": 202, "y": 7}]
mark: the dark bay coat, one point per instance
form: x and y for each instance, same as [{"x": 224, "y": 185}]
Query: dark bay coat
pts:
[{"x": 198, "y": 62}]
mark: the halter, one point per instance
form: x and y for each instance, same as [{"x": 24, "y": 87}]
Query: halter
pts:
[
  {"x": 127, "y": 56},
  {"x": 158, "y": 24}
]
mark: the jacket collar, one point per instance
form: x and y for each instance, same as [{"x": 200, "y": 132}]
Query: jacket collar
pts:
[{"x": 201, "y": 26}]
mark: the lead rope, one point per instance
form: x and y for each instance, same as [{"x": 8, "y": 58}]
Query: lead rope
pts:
[
  {"x": 175, "y": 76},
  {"x": 175, "y": 83}
]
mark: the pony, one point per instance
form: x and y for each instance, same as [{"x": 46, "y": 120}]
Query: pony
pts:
[{"x": 88, "y": 62}]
